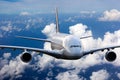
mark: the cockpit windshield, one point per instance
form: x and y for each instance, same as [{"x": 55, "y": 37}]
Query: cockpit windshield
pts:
[{"x": 75, "y": 46}]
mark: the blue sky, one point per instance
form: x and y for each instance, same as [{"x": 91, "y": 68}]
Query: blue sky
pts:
[{"x": 65, "y": 6}]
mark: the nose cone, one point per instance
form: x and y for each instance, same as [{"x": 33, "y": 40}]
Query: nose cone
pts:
[{"x": 72, "y": 45}]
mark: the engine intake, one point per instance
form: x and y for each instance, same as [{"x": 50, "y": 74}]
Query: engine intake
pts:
[
  {"x": 26, "y": 57},
  {"x": 110, "y": 56}
]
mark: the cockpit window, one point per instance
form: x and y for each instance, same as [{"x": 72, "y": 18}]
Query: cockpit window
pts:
[{"x": 74, "y": 46}]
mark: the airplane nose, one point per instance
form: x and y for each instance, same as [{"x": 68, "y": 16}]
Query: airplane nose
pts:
[{"x": 72, "y": 45}]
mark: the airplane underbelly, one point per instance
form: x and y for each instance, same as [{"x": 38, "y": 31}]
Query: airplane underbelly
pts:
[{"x": 70, "y": 56}]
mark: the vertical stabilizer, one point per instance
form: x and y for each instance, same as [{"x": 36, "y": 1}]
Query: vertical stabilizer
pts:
[{"x": 57, "y": 24}]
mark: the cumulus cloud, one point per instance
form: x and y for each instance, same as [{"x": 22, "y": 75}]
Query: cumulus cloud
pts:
[
  {"x": 79, "y": 30},
  {"x": 100, "y": 75},
  {"x": 49, "y": 29},
  {"x": 13, "y": 68},
  {"x": 45, "y": 61},
  {"x": 112, "y": 15},
  {"x": 67, "y": 76},
  {"x": 4, "y": 59}
]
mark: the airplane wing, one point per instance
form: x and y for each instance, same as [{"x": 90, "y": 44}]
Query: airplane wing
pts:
[
  {"x": 48, "y": 52},
  {"x": 100, "y": 49},
  {"x": 38, "y": 39}
]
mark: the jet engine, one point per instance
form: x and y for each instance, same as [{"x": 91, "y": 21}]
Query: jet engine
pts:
[
  {"x": 26, "y": 57},
  {"x": 110, "y": 56}
]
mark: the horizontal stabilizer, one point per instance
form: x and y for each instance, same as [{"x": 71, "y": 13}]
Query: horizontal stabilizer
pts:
[
  {"x": 31, "y": 38},
  {"x": 85, "y": 37}
]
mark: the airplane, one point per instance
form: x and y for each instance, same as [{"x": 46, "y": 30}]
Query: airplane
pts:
[{"x": 64, "y": 46}]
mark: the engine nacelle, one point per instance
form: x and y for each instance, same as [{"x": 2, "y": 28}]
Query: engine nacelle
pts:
[
  {"x": 110, "y": 56},
  {"x": 26, "y": 57}
]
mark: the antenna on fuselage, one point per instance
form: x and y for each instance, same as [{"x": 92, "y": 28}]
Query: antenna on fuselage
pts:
[{"x": 57, "y": 24}]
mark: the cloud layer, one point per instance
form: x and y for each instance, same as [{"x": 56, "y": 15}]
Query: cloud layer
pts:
[{"x": 14, "y": 68}]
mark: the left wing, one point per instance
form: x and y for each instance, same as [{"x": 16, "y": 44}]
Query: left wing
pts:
[
  {"x": 48, "y": 52},
  {"x": 100, "y": 49},
  {"x": 31, "y": 38}
]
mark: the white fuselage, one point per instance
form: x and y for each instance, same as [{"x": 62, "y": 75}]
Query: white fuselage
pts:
[{"x": 69, "y": 45}]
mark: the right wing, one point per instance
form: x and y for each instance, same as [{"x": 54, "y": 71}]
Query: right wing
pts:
[
  {"x": 53, "y": 53},
  {"x": 100, "y": 49},
  {"x": 38, "y": 39}
]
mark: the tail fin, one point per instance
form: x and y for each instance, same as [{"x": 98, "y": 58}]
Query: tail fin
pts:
[{"x": 57, "y": 24}]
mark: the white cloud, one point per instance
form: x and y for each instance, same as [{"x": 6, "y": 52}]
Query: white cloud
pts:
[
  {"x": 9, "y": 28},
  {"x": 27, "y": 26},
  {"x": 118, "y": 75},
  {"x": 13, "y": 68},
  {"x": 7, "y": 55},
  {"x": 24, "y": 13},
  {"x": 79, "y": 30},
  {"x": 45, "y": 61},
  {"x": 47, "y": 46},
  {"x": 49, "y": 29},
  {"x": 83, "y": 63},
  {"x": 112, "y": 15},
  {"x": 100, "y": 75},
  {"x": 70, "y": 19},
  {"x": 4, "y": 59},
  {"x": 87, "y": 12},
  {"x": 67, "y": 76}
]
